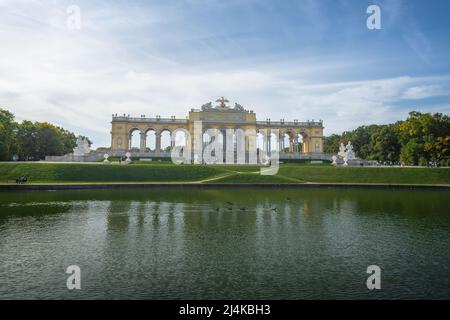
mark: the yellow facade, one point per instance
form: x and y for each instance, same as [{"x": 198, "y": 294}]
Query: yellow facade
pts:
[{"x": 220, "y": 117}]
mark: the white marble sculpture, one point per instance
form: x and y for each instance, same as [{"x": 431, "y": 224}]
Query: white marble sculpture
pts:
[
  {"x": 82, "y": 147},
  {"x": 106, "y": 156},
  {"x": 350, "y": 154},
  {"x": 341, "y": 152},
  {"x": 334, "y": 158},
  {"x": 346, "y": 153},
  {"x": 128, "y": 159}
]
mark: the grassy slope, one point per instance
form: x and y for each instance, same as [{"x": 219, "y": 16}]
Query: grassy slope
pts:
[
  {"x": 254, "y": 178},
  {"x": 367, "y": 174},
  {"x": 60, "y": 172},
  {"x": 167, "y": 172}
]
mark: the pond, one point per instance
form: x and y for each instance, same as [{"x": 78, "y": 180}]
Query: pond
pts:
[{"x": 225, "y": 243}]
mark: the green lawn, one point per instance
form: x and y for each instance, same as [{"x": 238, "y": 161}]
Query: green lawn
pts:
[
  {"x": 76, "y": 172},
  {"x": 367, "y": 174},
  {"x": 253, "y": 178},
  {"x": 170, "y": 173}
]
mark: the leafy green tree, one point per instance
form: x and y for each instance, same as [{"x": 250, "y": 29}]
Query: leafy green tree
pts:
[
  {"x": 8, "y": 129},
  {"x": 27, "y": 138},
  {"x": 53, "y": 141},
  {"x": 361, "y": 139},
  {"x": 412, "y": 153},
  {"x": 37, "y": 140},
  {"x": 440, "y": 150},
  {"x": 32, "y": 141},
  {"x": 49, "y": 143},
  {"x": 421, "y": 139},
  {"x": 428, "y": 133},
  {"x": 68, "y": 139},
  {"x": 331, "y": 144},
  {"x": 385, "y": 146}
]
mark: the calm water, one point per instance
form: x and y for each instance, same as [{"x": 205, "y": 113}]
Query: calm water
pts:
[{"x": 286, "y": 244}]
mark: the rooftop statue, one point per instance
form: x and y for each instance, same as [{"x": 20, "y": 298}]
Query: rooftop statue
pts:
[
  {"x": 222, "y": 103},
  {"x": 238, "y": 107},
  {"x": 207, "y": 106},
  {"x": 222, "y": 106}
]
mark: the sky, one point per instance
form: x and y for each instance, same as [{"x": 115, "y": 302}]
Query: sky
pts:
[{"x": 290, "y": 59}]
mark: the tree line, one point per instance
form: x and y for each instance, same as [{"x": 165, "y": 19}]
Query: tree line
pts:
[
  {"x": 32, "y": 140},
  {"x": 421, "y": 139}
]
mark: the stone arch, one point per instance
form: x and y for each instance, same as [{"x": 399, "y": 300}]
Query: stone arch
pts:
[
  {"x": 298, "y": 142},
  {"x": 306, "y": 141},
  {"x": 274, "y": 141},
  {"x": 165, "y": 139},
  {"x": 261, "y": 139},
  {"x": 134, "y": 139},
  {"x": 180, "y": 137},
  {"x": 206, "y": 138},
  {"x": 290, "y": 140},
  {"x": 150, "y": 129},
  {"x": 216, "y": 152},
  {"x": 150, "y": 138}
]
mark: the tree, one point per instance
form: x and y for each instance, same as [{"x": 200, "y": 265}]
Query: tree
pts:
[
  {"x": 68, "y": 139},
  {"x": 441, "y": 150},
  {"x": 32, "y": 141},
  {"x": 411, "y": 153},
  {"x": 428, "y": 134},
  {"x": 27, "y": 137},
  {"x": 421, "y": 139},
  {"x": 361, "y": 139},
  {"x": 54, "y": 141},
  {"x": 37, "y": 140},
  {"x": 331, "y": 144},
  {"x": 8, "y": 128},
  {"x": 385, "y": 146}
]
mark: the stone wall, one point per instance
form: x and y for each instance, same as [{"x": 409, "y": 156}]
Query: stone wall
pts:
[{"x": 91, "y": 157}]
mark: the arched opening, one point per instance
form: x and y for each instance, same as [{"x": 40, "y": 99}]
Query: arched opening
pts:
[
  {"x": 286, "y": 142},
  {"x": 231, "y": 144},
  {"x": 150, "y": 140},
  {"x": 305, "y": 145},
  {"x": 134, "y": 140},
  {"x": 273, "y": 142},
  {"x": 166, "y": 140},
  {"x": 298, "y": 143},
  {"x": 181, "y": 138},
  {"x": 206, "y": 139},
  {"x": 260, "y": 142}
]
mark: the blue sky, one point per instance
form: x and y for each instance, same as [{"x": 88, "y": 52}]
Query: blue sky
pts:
[{"x": 303, "y": 59}]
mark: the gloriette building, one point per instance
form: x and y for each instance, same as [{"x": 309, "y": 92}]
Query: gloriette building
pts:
[{"x": 294, "y": 139}]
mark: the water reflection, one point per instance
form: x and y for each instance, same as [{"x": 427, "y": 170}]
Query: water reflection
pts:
[{"x": 251, "y": 244}]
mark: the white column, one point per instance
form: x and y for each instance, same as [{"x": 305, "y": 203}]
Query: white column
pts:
[
  {"x": 158, "y": 141},
  {"x": 143, "y": 142}
]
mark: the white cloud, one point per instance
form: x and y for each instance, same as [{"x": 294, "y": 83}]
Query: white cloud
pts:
[
  {"x": 421, "y": 92},
  {"x": 78, "y": 79}
]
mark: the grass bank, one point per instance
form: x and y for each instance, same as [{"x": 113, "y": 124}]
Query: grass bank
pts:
[{"x": 170, "y": 173}]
